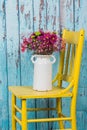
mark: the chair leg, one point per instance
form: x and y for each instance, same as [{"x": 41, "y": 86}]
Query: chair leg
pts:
[
  {"x": 13, "y": 112},
  {"x": 24, "y": 115},
  {"x": 73, "y": 114},
  {"x": 59, "y": 111},
  {"x": 73, "y": 123}
]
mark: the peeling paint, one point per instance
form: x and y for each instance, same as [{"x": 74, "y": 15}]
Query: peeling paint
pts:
[
  {"x": 34, "y": 18},
  {"x": 42, "y": 15},
  {"x": 27, "y": 16},
  {"x": 54, "y": 21},
  {"x": 68, "y": 4},
  {"x": 78, "y": 3},
  {"x": 22, "y": 9},
  {"x": 3, "y": 6},
  {"x": 42, "y": 4},
  {"x": 17, "y": 63},
  {"x": 4, "y": 37}
]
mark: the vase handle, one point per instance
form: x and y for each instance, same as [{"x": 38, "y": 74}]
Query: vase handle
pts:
[
  {"x": 32, "y": 58},
  {"x": 54, "y": 59}
]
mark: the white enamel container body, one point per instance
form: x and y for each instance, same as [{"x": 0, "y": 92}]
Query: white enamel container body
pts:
[{"x": 42, "y": 73}]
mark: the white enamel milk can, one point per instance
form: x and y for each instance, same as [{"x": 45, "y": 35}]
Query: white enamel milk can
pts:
[{"x": 42, "y": 80}]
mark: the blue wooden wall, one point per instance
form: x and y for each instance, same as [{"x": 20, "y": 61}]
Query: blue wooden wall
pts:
[{"x": 19, "y": 17}]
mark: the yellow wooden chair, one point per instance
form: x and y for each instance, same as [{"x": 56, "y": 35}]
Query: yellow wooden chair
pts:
[{"x": 69, "y": 70}]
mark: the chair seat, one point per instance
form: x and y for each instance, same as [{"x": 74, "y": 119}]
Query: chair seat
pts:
[{"x": 24, "y": 92}]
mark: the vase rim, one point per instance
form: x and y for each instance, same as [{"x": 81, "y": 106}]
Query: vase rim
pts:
[{"x": 43, "y": 55}]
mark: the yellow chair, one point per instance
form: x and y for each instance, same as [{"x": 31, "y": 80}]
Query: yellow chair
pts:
[{"x": 69, "y": 70}]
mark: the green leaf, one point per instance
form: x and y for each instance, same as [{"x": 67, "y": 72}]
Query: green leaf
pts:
[
  {"x": 55, "y": 32},
  {"x": 37, "y": 33},
  {"x": 32, "y": 36}
]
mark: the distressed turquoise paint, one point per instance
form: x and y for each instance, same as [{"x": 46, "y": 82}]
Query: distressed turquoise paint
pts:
[
  {"x": 18, "y": 18},
  {"x": 81, "y": 22},
  {"x": 85, "y": 120},
  {"x": 42, "y": 14},
  {"x": 67, "y": 14},
  {"x": 36, "y": 15},
  {"x": 12, "y": 47},
  {"x": 80, "y": 120},
  {"x": 0, "y": 113},
  {"x": 26, "y": 27},
  {"x": 3, "y": 70},
  {"x": 81, "y": 15}
]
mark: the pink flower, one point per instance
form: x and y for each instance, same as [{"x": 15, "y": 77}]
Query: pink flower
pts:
[{"x": 23, "y": 48}]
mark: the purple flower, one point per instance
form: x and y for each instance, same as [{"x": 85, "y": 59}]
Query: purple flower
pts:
[{"x": 53, "y": 38}]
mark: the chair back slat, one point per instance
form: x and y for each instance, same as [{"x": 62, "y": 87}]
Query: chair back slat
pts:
[
  {"x": 68, "y": 67},
  {"x": 72, "y": 37},
  {"x": 67, "y": 60},
  {"x": 72, "y": 59}
]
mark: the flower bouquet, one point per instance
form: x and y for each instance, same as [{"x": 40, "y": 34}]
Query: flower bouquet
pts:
[{"x": 43, "y": 43}]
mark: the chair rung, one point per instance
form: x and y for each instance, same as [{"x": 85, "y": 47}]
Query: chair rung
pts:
[
  {"x": 17, "y": 109},
  {"x": 19, "y": 121},
  {"x": 40, "y": 109},
  {"x": 63, "y": 129},
  {"x": 49, "y": 119}
]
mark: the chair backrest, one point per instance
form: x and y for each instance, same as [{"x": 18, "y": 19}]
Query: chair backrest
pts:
[{"x": 70, "y": 57}]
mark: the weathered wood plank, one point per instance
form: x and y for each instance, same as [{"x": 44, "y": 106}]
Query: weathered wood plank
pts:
[
  {"x": 81, "y": 15},
  {"x": 81, "y": 99},
  {"x": 13, "y": 58},
  {"x": 80, "y": 120},
  {"x": 85, "y": 120},
  {"x": 4, "y": 122},
  {"x": 26, "y": 27},
  {"x": 40, "y": 23},
  {"x": 0, "y": 114},
  {"x": 81, "y": 22},
  {"x": 66, "y": 14},
  {"x": 40, "y": 15},
  {"x": 36, "y": 16},
  {"x": 53, "y": 15},
  {"x": 83, "y": 74}
]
